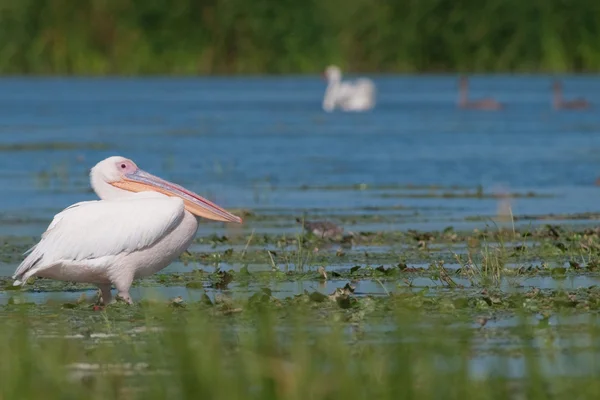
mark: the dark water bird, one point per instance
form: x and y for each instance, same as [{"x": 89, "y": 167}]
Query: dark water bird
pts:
[
  {"x": 560, "y": 104},
  {"x": 323, "y": 229},
  {"x": 488, "y": 104}
]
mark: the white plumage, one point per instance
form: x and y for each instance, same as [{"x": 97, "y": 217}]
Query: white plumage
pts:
[
  {"x": 127, "y": 235},
  {"x": 348, "y": 96},
  {"x": 80, "y": 232}
]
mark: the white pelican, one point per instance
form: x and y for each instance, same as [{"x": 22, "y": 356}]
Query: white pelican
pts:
[
  {"x": 139, "y": 226},
  {"x": 349, "y": 96}
]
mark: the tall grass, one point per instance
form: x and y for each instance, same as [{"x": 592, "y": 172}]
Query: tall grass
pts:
[
  {"x": 260, "y": 354},
  {"x": 287, "y": 36}
]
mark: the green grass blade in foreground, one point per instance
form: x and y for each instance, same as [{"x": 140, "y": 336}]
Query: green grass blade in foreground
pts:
[{"x": 274, "y": 349}]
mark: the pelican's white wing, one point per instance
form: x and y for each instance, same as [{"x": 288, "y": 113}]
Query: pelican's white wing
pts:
[{"x": 94, "y": 229}]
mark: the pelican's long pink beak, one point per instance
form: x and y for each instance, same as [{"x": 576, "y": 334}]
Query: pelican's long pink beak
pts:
[{"x": 141, "y": 181}]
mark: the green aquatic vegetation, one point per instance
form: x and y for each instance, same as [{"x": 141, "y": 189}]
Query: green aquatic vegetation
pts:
[
  {"x": 305, "y": 346},
  {"x": 411, "y": 237},
  {"x": 483, "y": 257},
  {"x": 468, "y": 300},
  {"x": 493, "y": 249},
  {"x": 300, "y": 260},
  {"x": 403, "y": 274},
  {"x": 449, "y": 307},
  {"x": 573, "y": 235}
]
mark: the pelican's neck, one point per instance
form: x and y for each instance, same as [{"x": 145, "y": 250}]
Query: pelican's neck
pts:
[
  {"x": 329, "y": 99},
  {"x": 558, "y": 99},
  {"x": 105, "y": 190},
  {"x": 463, "y": 94},
  {"x": 333, "y": 82},
  {"x": 334, "y": 78}
]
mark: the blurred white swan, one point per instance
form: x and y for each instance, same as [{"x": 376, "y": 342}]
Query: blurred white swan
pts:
[{"x": 348, "y": 96}]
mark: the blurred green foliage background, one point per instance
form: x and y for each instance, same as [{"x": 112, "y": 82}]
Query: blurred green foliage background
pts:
[{"x": 289, "y": 36}]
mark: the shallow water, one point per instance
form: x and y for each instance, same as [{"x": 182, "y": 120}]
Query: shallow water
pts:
[
  {"x": 265, "y": 145},
  {"x": 254, "y": 142},
  {"x": 288, "y": 289}
]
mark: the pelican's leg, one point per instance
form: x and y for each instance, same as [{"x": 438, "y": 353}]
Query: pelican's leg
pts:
[
  {"x": 122, "y": 278},
  {"x": 125, "y": 297},
  {"x": 123, "y": 286},
  {"x": 106, "y": 295}
]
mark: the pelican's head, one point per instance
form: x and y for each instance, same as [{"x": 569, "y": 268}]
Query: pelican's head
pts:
[
  {"x": 114, "y": 177},
  {"x": 333, "y": 73}
]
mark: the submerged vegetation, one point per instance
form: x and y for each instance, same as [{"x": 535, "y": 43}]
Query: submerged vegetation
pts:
[{"x": 220, "y": 37}]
